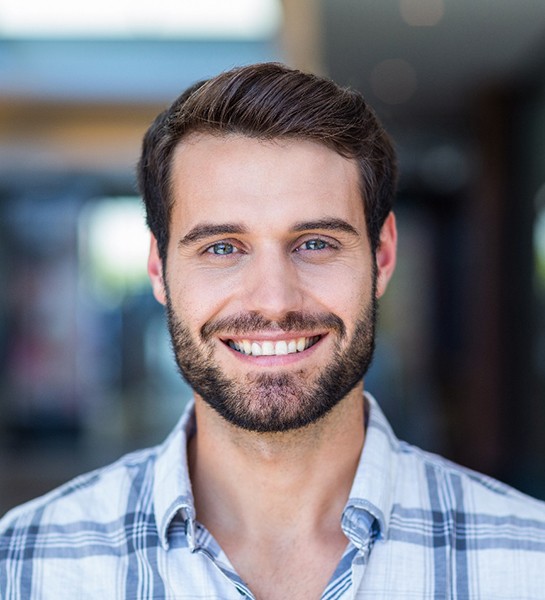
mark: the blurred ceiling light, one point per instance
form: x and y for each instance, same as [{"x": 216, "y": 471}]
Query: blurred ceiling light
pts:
[
  {"x": 235, "y": 19},
  {"x": 393, "y": 81},
  {"x": 422, "y": 13}
]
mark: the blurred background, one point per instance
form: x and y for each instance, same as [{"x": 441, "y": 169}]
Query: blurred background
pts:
[{"x": 86, "y": 371}]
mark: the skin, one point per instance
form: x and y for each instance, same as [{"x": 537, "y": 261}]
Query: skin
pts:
[{"x": 273, "y": 501}]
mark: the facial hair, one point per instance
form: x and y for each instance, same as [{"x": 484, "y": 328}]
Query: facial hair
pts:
[{"x": 281, "y": 401}]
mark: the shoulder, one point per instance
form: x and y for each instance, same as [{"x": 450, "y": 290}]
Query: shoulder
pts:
[
  {"x": 459, "y": 487},
  {"x": 481, "y": 537},
  {"x": 93, "y": 500},
  {"x": 450, "y": 505}
]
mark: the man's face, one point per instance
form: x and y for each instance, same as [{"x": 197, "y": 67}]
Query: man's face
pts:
[{"x": 270, "y": 281}]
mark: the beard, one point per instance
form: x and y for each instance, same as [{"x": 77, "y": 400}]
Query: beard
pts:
[{"x": 281, "y": 401}]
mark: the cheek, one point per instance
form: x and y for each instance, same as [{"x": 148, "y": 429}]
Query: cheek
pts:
[
  {"x": 342, "y": 291},
  {"x": 198, "y": 296}
]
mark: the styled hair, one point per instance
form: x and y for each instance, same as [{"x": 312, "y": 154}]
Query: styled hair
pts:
[{"x": 269, "y": 101}]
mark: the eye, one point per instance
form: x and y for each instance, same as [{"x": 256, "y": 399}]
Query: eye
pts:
[
  {"x": 314, "y": 244},
  {"x": 222, "y": 248}
]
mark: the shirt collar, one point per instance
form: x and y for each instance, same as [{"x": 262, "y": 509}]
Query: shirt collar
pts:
[
  {"x": 367, "y": 512},
  {"x": 366, "y": 515},
  {"x": 172, "y": 491}
]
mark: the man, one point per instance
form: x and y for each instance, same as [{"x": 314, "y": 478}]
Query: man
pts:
[{"x": 269, "y": 195}]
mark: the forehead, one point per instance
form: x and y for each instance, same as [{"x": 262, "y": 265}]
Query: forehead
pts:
[{"x": 236, "y": 177}]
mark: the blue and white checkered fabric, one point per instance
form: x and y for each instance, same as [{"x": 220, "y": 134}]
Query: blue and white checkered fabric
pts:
[{"x": 417, "y": 526}]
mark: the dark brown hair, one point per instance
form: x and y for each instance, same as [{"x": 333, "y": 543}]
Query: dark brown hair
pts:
[{"x": 269, "y": 101}]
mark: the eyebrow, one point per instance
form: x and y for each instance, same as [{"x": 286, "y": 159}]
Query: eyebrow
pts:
[
  {"x": 206, "y": 230},
  {"x": 330, "y": 224}
]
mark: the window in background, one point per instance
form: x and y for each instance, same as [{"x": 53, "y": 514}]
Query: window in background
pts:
[
  {"x": 126, "y": 350},
  {"x": 210, "y": 19}
]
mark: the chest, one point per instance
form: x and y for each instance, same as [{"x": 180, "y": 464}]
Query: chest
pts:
[{"x": 293, "y": 575}]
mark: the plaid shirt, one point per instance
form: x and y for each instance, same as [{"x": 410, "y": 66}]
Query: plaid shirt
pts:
[{"x": 417, "y": 526}]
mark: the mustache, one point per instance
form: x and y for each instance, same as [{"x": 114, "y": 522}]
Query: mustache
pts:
[{"x": 254, "y": 322}]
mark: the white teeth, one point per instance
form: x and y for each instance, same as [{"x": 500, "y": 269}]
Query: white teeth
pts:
[
  {"x": 267, "y": 348},
  {"x": 270, "y": 348},
  {"x": 280, "y": 348}
]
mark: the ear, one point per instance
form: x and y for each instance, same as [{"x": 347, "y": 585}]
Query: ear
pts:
[
  {"x": 155, "y": 272},
  {"x": 386, "y": 253}
]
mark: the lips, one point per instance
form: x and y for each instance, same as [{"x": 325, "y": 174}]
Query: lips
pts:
[{"x": 272, "y": 348}]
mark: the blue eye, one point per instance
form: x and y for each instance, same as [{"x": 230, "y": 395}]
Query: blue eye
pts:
[
  {"x": 222, "y": 248},
  {"x": 314, "y": 245}
]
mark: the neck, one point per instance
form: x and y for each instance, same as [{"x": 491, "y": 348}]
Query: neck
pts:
[{"x": 258, "y": 484}]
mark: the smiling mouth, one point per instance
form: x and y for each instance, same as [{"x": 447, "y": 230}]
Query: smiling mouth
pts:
[{"x": 270, "y": 348}]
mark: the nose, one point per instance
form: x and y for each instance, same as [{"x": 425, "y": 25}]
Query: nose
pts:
[{"x": 272, "y": 286}]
